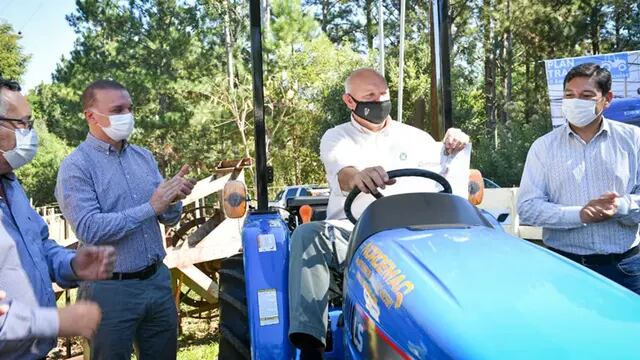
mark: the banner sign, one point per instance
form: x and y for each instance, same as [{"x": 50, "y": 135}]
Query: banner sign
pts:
[{"x": 625, "y": 73}]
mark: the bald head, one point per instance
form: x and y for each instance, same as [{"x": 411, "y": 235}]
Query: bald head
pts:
[{"x": 363, "y": 76}]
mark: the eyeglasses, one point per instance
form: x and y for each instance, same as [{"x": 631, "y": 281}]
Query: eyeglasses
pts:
[{"x": 27, "y": 123}]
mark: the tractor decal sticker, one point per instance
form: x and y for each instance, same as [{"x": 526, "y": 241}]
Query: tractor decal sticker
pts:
[
  {"x": 274, "y": 223},
  {"x": 370, "y": 301},
  {"x": 371, "y": 341},
  {"x": 268, "y": 307},
  {"x": 390, "y": 274},
  {"x": 358, "y": 331},
  {"x": 378, "y": 288},
  {"x": 266, "y": 242}
]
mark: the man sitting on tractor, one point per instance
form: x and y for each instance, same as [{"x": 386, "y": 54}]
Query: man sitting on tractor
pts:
[{"x": 358, "y": 154}]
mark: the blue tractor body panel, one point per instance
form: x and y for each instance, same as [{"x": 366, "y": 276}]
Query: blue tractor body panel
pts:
[
  {"x": 479, "y": 293},
  {"x": 265, "y": 240}
]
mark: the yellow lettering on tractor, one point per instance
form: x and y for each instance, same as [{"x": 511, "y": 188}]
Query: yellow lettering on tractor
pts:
[
  {"x": 395, "y": 282},
  {"x": 388, "y": 271},
  {"x": 364, "y": 268},
  {"x": 408, "y": 287},
  {"x": 386, "y": 299}
]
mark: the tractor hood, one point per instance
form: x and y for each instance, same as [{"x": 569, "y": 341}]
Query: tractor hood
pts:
[{"x": 474, "y": 292}]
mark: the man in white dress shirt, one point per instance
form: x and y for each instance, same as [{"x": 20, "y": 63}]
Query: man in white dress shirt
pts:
[{"x": 358, "y": 154}]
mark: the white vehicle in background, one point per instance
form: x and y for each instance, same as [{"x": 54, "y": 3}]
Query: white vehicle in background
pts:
[{"x": 280, "y": 202}]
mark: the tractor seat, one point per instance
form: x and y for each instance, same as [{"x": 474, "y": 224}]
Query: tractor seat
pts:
[{"x": 417, "y": 211}]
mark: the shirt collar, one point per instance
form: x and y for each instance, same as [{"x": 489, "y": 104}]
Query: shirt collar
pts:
[
  {"x": 364, "y": 130},
  {"x": 103, "y": 146},
  {"x": 605, "y": 127}
]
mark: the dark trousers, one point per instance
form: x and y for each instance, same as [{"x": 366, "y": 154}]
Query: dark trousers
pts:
[{"x": 138, "y": 314}]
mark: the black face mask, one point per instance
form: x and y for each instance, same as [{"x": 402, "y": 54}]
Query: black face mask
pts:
[{"x": 373, "y": 111}]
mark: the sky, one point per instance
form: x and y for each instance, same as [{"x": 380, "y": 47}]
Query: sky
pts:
[{"x": 46, "y": 35}]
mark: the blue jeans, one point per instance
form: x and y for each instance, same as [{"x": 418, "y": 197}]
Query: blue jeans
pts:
[
  {"x": 135, "y": 313},
  {"x": 625, "y": 273}
]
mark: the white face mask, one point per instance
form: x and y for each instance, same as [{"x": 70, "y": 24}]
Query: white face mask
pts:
[
  {"x": 579, "y": 112},
  {"x": 121, "y": 126},
  {"x": 25, "y": 150}
]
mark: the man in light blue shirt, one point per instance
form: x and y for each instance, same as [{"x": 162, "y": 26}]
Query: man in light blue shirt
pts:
[
  {"x": 581, "y": 182},
  {"x": 29, "y": 260},
  {"x": 111, "y": 192}
]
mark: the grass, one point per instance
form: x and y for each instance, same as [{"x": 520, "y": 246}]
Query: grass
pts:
[
  {"x": 199, "y": 339},
  {"x": 199, "y": 352}
]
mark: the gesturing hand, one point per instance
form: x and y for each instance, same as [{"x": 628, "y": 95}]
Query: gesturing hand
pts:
[
  {"x": 455, "y": 140},
  {"x": 177, "y": 188},
  {"x": 94, "y": 262},
  {"x": 79, "y": 319},
  {"x": 600, "y": 209}
]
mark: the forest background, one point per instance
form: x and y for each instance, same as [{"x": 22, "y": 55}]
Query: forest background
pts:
[{"x": 187, "y": 66}]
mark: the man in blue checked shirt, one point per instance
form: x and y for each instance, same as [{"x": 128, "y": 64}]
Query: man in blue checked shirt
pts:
[
  {"x": 29, "y": 260},
  {"x": 581, "y": 182},
  {"x": 111, "y": 192}
]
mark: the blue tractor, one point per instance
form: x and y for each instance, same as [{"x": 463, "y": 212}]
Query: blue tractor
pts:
[{"x": 428, "y": 276}]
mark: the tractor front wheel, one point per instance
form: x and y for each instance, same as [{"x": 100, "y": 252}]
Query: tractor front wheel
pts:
[{"x": 234, "y": 319}]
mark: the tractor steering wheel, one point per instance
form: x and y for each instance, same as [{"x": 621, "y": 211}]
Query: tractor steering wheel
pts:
[{"x": 396, "y": 174}]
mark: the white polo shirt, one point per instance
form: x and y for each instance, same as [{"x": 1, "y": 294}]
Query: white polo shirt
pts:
[{"x": 396, "y": 146}]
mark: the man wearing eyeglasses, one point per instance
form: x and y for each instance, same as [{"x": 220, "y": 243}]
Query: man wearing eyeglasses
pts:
[{"x": 29, "y": 260}]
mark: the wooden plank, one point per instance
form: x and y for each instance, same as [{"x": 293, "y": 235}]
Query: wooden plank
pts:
[
  {"x": 224, "y": 241},
  {"x": 206, "y": 187},
  {"x": 199, "y": 282}
]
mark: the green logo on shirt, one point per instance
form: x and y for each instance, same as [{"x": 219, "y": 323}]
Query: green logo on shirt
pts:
[{"x": 403, "y": 156}]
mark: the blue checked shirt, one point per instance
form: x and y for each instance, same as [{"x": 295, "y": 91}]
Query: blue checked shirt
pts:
[
  {"x": 29, "y": 262},
  {"x": 105, "y": 193},
  {"x": 563, "y": 173}
]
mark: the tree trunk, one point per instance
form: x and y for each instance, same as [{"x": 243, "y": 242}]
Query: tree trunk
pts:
[
  {"x": 617, "y": 25},
  {"x": 369, "y": 23},
  {"x": 594, "y": 32},
  {"x": 508, "y": 63},
  {"x": 266, "y": 15},
  {"x": 489, "y": 65},
  {"x": 228, "y": 46},
  {"x": 325, "y": 16}
]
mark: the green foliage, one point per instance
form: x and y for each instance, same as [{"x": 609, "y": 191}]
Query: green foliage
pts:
[
  {"x": 13, "y": 61},
  {"x": 187, "y": 66},
  {"x": 304, "y": 83}
]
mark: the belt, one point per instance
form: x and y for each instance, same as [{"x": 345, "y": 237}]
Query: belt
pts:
[
  {"x": 599, "y": 259},
  {"x": 139, "y": 275}
]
